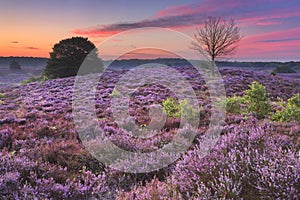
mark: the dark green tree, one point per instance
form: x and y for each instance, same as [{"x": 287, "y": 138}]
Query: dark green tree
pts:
[{"x": 68, "y": 55}]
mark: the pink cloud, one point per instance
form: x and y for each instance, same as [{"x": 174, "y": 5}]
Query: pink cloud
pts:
[
  {"x": 96, "y": 32},
  {"x": 281, "y": 35},
  {"x": 267, "y": 23},
  {"x": 174, "y": 10},
  {"x": 207, "y": 7},
  {"x": 278, "y": 44},
  {"x": 187, "y": 9},
  {"x": 246, "y": 13},
  {"x": 255, "y": 14}
]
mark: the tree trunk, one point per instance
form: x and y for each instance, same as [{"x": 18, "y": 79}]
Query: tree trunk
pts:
[{"x": 213, "y": 65}]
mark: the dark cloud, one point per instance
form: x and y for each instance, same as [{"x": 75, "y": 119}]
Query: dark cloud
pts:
[
  {"x": 166, "y": 22},
  {"x": 243, "y": 11},
  {"x": 281, "y": 40},
  {"x": 32, "y": 48},
  {"x": 14, "y": 42}
]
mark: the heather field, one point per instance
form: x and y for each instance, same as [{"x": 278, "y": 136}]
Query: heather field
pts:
[
  {"x": 256, "y": 157},
  {"x": 150, "y": 100}
]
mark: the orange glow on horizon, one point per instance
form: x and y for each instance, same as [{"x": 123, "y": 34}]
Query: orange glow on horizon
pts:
[
  {"x": 252, "y": 46},
  {"x": 148, "y": 53}
]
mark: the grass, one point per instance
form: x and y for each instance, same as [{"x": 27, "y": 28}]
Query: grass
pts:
[{"x": 2, "y": 96}]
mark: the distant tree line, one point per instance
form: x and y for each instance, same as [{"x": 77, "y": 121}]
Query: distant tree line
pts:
[
  {"x": 182, "y": 62},
  {"x": 291, "y": 64},
  {"x": 37, "y": 61},
  {"x": 130, "y": 63}
]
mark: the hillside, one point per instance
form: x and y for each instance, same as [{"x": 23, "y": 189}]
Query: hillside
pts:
[{"x": 42, "y": 155}]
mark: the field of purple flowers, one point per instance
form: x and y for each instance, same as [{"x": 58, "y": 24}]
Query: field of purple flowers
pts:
[{"x": 42, "y": 156}]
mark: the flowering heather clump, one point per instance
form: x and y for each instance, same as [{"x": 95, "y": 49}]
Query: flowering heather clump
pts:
[
  {"x": 5, "y": 138},
  {"x": 42, "y": 156},
  {"x": 236, "y": 166},
  {"x": 249, "y": 162},
  {"x": 23, "y": 178}
]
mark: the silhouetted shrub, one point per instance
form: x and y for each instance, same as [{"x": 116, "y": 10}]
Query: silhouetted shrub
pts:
[
  {"x": 14, "y": 65},
  {"x": 68, "y": 55},
  {"x": 273, "y": 73},
  {"x": 283, "y": 69}
]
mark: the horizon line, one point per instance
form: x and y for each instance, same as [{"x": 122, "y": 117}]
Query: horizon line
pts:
[{"x": 281, "y": 61}]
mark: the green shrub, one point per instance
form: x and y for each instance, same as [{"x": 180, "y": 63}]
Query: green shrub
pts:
[
  {"x": 41, "y": 78},
  {"x": 2, "y": 95},
  {"x": 233, "y": 104},
  {"x": 182, "y": 109},
  {"x": 172, "y": 107},
  {"x": 115, "y": 93},
  {"x": 256, "y": 100},
  {"x": 290, "y": 110},
  {"x": 188, "y": 112}
]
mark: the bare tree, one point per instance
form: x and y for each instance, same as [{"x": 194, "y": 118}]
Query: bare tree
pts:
[{"x": 218, "y": 37}]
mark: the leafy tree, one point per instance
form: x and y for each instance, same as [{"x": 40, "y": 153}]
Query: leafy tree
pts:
[
  {"x": 218, "y": 37},
  {"x": 68, "y": 55},
  {"x": 14, "y": 65}
]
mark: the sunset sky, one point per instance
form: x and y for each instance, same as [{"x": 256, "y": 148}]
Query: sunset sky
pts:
[{"x": 271, "y": 28}]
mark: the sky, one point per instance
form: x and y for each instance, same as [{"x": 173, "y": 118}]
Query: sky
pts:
[{"x": 270, "y": 28}]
